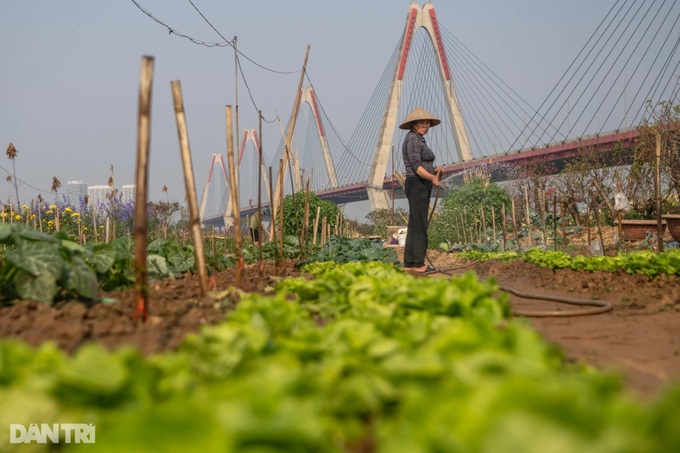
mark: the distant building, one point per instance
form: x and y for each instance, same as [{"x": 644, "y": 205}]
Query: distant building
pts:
[
  {"x": 98, "y": 196},
  {"x": 76, "y": 192},
  {"x": 128, "y": 193}
]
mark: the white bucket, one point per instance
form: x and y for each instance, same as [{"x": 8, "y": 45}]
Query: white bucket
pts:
[{"x": 401, "y": 237}]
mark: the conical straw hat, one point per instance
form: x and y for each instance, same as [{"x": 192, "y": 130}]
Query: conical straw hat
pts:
[{"x": 418, "y": 114}]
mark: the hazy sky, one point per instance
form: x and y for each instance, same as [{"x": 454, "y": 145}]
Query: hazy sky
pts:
[{"x": 69, "y": 80}]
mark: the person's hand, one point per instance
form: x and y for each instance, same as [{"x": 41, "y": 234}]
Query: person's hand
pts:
[{"x": 435, "y": 181}]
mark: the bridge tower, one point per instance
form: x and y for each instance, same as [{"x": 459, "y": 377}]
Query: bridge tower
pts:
[
  {"x": 215, "y": 159},
  {"x": 308, "y": 96},
  {"x": 417, "y": 18},
  {"x": 249, "y": 135}
]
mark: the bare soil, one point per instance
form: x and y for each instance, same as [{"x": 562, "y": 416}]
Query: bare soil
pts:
[{"x": 639, "y": 337}]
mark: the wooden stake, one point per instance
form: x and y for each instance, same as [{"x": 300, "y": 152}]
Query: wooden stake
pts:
[
  {"x": 555, "y": 221},
  {"x": 483, "y": 226},
  {"x": 192, "y": 198},
  {"x": 528, "y": 218},
  {"x": 316, "y": 224},
  {"x": 260, "y": 260},
  {"x": 236, "y": 210},
  {"x": 140, "y": 216},
  {"x": 563, "y": 222},
  {"x": 493, "y": 224},
  {"x": 504, "y": 227},
  {"x": 619, "y": 214},
  {"x": 657, "y": 184},
  {"x": 588, "y": 224},
  {"x": 514, "y": 224}
]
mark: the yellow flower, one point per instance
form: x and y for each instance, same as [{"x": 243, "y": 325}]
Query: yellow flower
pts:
[
  {"x": 75, "y": 214},
  {"x": 17, "y": 217},
  {"x": 52, "y": 207},
  {"x": 48, "y": 212},
  {"x": 4, "y": 214},
  {"x": 24, "y": 207},
  {"x": 68, "y": 210}
]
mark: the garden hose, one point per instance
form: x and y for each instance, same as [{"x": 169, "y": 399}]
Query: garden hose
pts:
[{"x": 598, "y": 306}]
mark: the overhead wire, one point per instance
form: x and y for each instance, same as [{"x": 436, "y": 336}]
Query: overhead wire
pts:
[{"x": 226, "y": 43}]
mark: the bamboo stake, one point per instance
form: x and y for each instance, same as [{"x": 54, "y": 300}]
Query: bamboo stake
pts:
[
  {"x": 316, "y": 224},
  {"x": 657, "y": 184},
  {"x": 543, "y": 212},
  {"x": 563, "y": 222},
  {"x": 280, "y": 215},
  {"x": 272, "y": 211},
  {"x": 588, "y": 224},
  {"x": 323, "y": 231},
  {"x": 555, "y": 221},
  {"x": 140, "y": 216},
  {"x": 619, "y": 214},
  {"x": 483, "y": 226},
  {"x": 514, "y": 224},
  {"x": 493, "y": 223},
  {"x": 192, "y": 200},
  {"x": 305, "y": 222},
  {"x": 260, "y": 260},
  {"x": 528, "y": 218},
  {"x": 236, "y": 210},
  {"x": 504, "y": 227}
]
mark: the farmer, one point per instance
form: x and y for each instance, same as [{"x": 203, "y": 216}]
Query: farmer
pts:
[{"x": 421, "y": 175}]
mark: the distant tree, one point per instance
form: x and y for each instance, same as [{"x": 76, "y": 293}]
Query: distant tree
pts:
[{"x": 461, "y": 208}]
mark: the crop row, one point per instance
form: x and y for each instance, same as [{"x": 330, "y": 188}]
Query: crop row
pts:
[{"x": 363, "y": 357}]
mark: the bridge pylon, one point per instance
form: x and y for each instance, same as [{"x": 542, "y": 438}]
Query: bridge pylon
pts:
[
  {"x": 215, "y": 159},
  {"x": 307, "y": 95},
  {"x": 418, "y": 17},
  {"x": 250, "y": 135}
]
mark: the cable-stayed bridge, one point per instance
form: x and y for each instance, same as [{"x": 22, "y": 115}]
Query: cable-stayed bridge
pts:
[{"x": 629, "y": 64}]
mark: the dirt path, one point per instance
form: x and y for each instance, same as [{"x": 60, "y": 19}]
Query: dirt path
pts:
[{"x": 639, "y": 337}]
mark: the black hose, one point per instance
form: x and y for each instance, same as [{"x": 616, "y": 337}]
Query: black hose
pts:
[{"x": 599, "y": 306}]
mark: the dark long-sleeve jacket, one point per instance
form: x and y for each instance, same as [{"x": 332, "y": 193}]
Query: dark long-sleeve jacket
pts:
[{"x": 416, "y": 153}]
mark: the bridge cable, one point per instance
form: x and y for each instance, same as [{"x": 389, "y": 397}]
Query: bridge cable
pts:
[
  {"x": 495, "y": 94},
  {"x": 531, "y": 121},
  {"x": 649, "y": 93},
  {"x": 623, "y": 48},
  {"x": 638, "y": 66},
  {"x": 590, "y": 66}
]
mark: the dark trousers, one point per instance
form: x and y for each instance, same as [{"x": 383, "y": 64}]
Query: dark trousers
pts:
[{"x": 418, "y": 192}]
